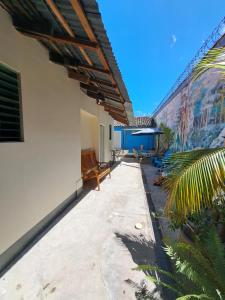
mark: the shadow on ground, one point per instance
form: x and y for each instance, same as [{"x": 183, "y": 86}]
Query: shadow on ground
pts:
[
  {"x": 142, "y": 253},
  {"x": 141, "y": 250}
]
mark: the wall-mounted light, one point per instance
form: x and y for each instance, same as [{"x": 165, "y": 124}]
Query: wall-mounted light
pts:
[{"x": 98, "y": 101}]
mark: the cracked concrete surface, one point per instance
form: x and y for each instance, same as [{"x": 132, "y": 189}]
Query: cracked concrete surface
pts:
[{"x": 91, "y": 251}]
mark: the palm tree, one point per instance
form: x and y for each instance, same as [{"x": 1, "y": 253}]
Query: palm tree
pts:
[
  {"x": 167, "y": 137},
  {"x": 214, "y": 59},
  {"x": 194, "y": 179},
  {"x": 199, "y": 269}
]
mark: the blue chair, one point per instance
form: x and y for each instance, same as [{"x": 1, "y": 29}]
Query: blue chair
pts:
[{"x": 158, "y": 161}]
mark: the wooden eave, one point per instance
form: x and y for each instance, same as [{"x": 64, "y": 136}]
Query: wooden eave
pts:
[{"x": 88, "y": 73}]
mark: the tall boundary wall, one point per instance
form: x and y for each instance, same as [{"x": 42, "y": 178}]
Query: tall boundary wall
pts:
[{"x": 196, "y": 111}]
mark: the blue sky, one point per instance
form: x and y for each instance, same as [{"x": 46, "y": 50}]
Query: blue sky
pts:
[{"x": 154, "y": 40}]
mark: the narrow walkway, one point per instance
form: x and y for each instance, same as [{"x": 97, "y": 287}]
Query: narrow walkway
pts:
[
  {"x": 158, "y": 196},
  {"x": 90, "y": 253}
]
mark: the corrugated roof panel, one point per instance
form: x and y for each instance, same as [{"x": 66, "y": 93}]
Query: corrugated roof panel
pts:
[
  {"x": 37, "y": 11},
  {"x": 115, "y": 104},
  {"x": 94, "y": 57},
  {"x": 68, "y": 13},
  {"x": 94, "y": 17},
  {"x": 46, "y": 14}
]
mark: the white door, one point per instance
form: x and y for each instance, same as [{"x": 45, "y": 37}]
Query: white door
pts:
[{"x": 102, "y": 143}]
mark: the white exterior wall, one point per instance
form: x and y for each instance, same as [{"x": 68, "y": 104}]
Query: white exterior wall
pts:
[
  {"x": 89, "y": 131},
  {"x": 116, "y": 139},
  {"x": 40, "y": 173}
]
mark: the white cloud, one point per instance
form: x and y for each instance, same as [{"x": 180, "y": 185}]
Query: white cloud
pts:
[{"x": 173, "y": 40}]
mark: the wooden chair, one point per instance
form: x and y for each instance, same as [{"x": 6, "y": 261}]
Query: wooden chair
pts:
[
  {"x": 91, "y": 168},
  {"x": 137, "y": 155}
]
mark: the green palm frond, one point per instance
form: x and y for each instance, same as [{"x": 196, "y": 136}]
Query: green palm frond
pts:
[
  {"x": 156, "y": 269},
  {"x": 195, "y": 177},
  {"x": 214, "y": 59},
  {"x": 191, "y": 297},
  {"x": 192, "y": 262},
  {"x": 179, "y": 282},
  {"x": 213, "y": 249},
  {"x": 163, "y": 284},
  {"x": 197, "y": 269},
  {"x": 134, "y": 284}
]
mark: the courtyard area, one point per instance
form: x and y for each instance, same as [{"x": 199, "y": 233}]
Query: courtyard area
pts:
[
  {"x": 112, "y": 181},
  {"x": 91, "y": 251}
]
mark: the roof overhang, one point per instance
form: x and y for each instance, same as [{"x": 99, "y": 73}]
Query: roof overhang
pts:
[{"x": 74, "y": 34}]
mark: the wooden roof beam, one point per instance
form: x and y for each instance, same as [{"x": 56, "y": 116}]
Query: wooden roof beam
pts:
[
  {"x": 119, "y": 118},
  {"x": 114, "y": 114},
  {"x": 95, "y": 96},
  {"x": 117, "y": 100},
  {"x": 72, "y": 63},
  {"x": 102, "y": 97},
  {"x": 66, "y": 27},
  {"x": 59, "y": 39},
  {"x": 114, "y": 107},
  {"x": 83, "y": 19},
  {"x": 107, "y": 107},
  {"x": 89, "y": 31},
  {"x": 93, "y": 69},
  {"x": 86, "y": 79},
  {"x": 97, "y": 89},
  {"x": 85, "y": 23},
  {"x": 118, "y": 114},
  {"x": 78, "y": 76},
  {"x": 103, "y": 82}
]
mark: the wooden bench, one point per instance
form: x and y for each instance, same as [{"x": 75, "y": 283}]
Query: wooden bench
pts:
[{"x": 91, "y": 168}]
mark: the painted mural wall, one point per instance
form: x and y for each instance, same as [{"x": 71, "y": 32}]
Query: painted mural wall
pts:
[{"x": 197, "y": 113}]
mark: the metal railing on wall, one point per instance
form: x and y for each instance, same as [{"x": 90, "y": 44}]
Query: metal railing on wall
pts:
[{"x": 209, "y": 43}]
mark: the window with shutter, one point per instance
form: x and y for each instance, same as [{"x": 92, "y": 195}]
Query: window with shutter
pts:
[
  {"x": 110, "y": 132},
  {"x": 10, "y": 110}
]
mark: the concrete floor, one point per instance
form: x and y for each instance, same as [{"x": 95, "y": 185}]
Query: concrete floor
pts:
[
  {"x": 90, "y": 252},
  {"x": 158, "y": 196}
]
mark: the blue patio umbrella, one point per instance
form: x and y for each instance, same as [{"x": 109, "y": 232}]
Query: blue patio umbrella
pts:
[{"x": 150, "y": 131}]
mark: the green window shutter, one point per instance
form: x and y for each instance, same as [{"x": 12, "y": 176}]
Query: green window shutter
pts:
[
  {"x": 110, "y": 132},
  {"x": 10, "y": 116}
]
